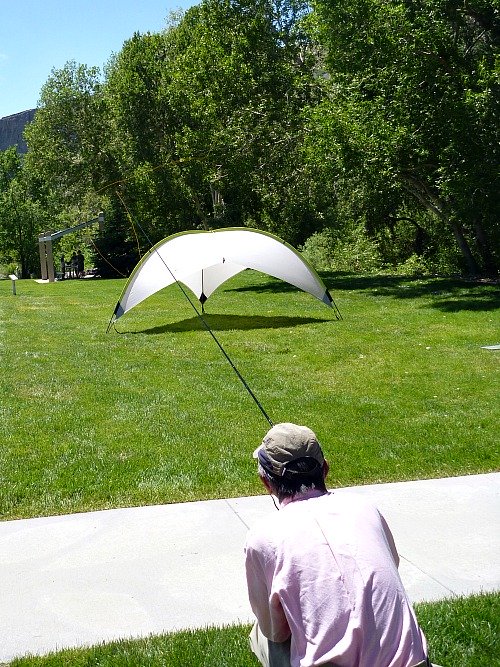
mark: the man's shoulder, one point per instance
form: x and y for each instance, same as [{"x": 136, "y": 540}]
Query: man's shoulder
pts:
[
  {"x": 335, "y": 500},
  {"x": 290, "y": 512},
  {"x": 341, "y": 499}
]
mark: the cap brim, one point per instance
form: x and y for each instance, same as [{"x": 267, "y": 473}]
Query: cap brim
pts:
[{"x": 255, "y": 455}]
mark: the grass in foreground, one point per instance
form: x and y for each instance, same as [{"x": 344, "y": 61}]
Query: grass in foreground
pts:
[
  {"x": 462, "y": 632},
  {"x": 400, "y": 389}
]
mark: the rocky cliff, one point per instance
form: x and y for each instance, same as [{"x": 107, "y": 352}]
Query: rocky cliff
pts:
[{"x": 12, "y": 128}]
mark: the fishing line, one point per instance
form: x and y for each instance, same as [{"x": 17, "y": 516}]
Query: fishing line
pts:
[
  {"x": 104, "y": 258},
  {"x": 207, "y": 328},
  {"x": 131, "y": 222},
  {"x": 162, "y": 165}
]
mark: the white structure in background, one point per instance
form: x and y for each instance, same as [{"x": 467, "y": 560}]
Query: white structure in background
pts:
[{"x": 45, "y": 246}]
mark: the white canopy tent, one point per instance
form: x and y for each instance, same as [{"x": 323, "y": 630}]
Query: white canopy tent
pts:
[{"x": 203, "y": 260}]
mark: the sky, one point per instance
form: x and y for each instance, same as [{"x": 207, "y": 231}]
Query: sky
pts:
[{"x": 37, "y": 36}]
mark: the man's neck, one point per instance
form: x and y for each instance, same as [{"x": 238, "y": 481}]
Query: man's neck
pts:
[{"x": 304, "y": 495}]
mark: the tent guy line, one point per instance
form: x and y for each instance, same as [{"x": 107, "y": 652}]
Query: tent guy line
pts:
[
  {"x": 207, "y": 328},
  {"x": 203, "y": 260}
]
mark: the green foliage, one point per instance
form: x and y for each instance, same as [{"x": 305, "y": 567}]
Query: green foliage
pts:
[
  {"x": 415, "y": 265},
  {"x": 67, "y": 136},
  {"x": 21, "y": 216},
  {"x": 414, "y": 107},
  {"x": 352, "y": 252},
  {"x": 287, "y": 118},
  {"x": 8, "y": 268},
  {"x": 116, "y": 249},
  {"x": 198, "y": 126}
]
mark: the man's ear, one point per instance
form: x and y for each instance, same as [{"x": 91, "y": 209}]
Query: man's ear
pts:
[{"x": 267, "y": 484}]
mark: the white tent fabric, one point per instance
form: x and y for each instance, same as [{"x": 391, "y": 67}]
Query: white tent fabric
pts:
[{"x": 203, "y": 260}]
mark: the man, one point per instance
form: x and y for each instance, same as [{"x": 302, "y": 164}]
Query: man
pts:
[
  {"x": 322, "y": 573},
  {"x": 80, "y": 264}
]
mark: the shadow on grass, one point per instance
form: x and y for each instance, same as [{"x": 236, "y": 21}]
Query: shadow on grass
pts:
[
  {"x": 231, "y": 322},
  {"x": 446, "y": 294}
]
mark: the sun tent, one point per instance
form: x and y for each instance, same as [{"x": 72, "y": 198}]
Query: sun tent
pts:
[{"x": 203, "y": 260}]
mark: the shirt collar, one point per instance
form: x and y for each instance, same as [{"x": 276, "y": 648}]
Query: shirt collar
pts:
[{"x": 306, "y": 495}]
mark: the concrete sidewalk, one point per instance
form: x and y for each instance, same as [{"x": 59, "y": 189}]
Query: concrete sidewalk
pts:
[{"x": 86, "y": 578}]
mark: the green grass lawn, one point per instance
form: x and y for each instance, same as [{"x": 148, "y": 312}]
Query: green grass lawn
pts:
[
  {"x": 461, "y": 632},
  {"x": 399, "y": 389}
]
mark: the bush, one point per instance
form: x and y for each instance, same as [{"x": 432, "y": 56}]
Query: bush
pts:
[
  {"x": 355, "y": 252},
  {"x": 9, "y": 267},
  {"x": 415, "y": 265},
  {"x": 319, "y": 250}
]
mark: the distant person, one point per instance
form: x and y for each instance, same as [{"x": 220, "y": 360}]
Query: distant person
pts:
[
  {"x": 80, "y": 264},
  {"x": 74, "y": 265},
  {"x": 63, "y": 267},
  {"x": 322, "y": 573}
]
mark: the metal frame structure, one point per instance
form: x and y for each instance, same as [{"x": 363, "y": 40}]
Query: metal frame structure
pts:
[{"x": 45, "y": 246}]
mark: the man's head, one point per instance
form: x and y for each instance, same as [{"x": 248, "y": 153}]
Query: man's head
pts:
[{"x": 291, "y": 460}]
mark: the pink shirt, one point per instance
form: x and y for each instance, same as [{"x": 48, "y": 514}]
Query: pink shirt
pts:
[{"x": 325, "y": 570}]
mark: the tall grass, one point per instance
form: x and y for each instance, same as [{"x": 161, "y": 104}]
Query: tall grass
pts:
[{"x": 399, "y": 389}]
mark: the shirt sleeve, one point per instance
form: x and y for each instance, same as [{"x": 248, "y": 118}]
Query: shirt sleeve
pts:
[{"x": 266, "y": 606}]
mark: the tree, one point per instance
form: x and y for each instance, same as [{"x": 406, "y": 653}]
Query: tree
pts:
[
  {"x": 67, "y": 140},
  {"x": 208, "y": 117},
  {"x": 414, "y": 104},
  {"x": 21, "y": 218},
  {"x": 71, "y": 156},
  {"x": 143, "y": 126}
]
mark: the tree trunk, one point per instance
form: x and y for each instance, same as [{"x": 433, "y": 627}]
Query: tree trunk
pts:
[
  {"x": 489, "y": 263},
  {"x": 25, "y": 273},
  {"x": 472, "y": 265},
  {"x": 199, "y": 210},
  {"x": 432, "y": 203}
]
